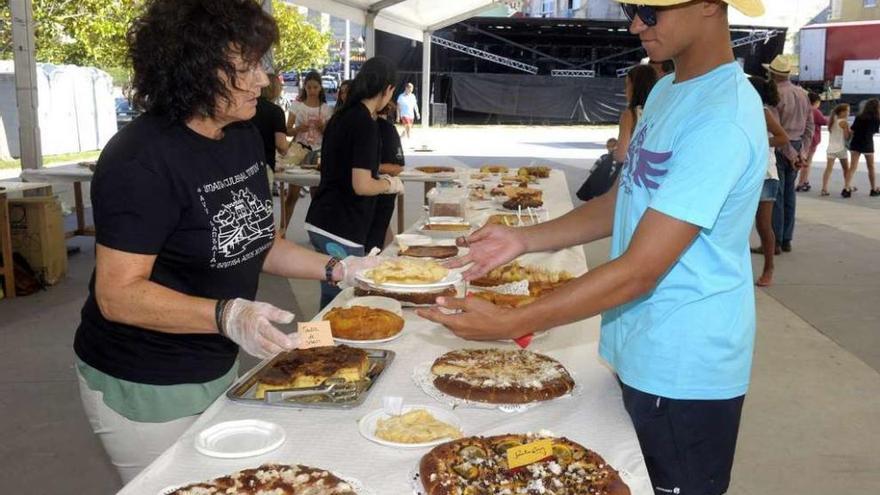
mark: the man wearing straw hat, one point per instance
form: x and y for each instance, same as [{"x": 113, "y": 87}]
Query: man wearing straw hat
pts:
[
  {"x": 677, "y": 296},
  {"x": 796, "y": 117}
]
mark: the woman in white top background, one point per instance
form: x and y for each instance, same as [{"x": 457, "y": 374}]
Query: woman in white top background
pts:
[
  {"x": 838, "y": 132},
  {"x": 764, "y": 217},
  {"x": 305, "y": 123},
  {"x": 309, "y": 114}
]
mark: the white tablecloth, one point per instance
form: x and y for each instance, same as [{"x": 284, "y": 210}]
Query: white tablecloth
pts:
[
  {"x": 62, "y": 173},
  {"x": 329, "y": 439},
  {"x": 310, "y": 178}
]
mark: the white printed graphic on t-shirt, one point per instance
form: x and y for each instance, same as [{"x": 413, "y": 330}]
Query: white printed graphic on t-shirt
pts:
[
  {"x": 242, "y": 225},
  {"x": 242, "y": 221}
]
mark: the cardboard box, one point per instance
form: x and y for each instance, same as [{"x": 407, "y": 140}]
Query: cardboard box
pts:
[{"x": 37, "y": 231}]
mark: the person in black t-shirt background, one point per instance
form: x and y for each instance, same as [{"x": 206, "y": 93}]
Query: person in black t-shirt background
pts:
[
  {"x": 269, "y": 121},
  {"x": 391, "y": 162},
  {"x": 184, "y": 226},
  {"x": 342, "y": 211}
]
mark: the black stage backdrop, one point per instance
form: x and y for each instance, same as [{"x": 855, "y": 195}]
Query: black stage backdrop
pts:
[{"x": 514, "y": 98}]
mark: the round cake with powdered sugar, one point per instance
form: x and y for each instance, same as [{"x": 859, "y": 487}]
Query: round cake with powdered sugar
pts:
[
  {"x": 501, "y": 376},
  {"x": 273, "y": 479},
  {"x": 478, "y": 466}
]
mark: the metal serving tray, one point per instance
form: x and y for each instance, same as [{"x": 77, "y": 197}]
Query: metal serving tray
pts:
[{"x": 245, "y": 388}]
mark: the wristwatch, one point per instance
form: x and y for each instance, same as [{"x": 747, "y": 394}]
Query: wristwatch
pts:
[{"x": 328, "y": 270}]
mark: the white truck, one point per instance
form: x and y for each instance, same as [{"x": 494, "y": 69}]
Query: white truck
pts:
[{"x": 860, "y": 81}]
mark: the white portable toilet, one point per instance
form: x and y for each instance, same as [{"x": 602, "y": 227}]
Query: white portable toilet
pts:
[
  {"x": 105, "y": 106},
  {"x": 59, "y": 131}
]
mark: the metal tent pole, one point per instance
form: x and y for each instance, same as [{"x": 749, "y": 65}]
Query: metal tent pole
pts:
[
  {"x": 426, "y": 79},
  {"x": 269, "y": 57},
  {"x": 26, "y": 83},
  {"x": 347, "y": 51},
  {"x": 370, "y": 28}
]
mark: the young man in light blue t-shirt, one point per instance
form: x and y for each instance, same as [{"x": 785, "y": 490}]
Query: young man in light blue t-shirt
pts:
[{"x": 677, "y": 295}]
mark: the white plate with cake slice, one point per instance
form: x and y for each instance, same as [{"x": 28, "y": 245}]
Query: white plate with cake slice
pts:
[
  {"x": 408, "y": 274},
  {"x": 423, "y": 426}
]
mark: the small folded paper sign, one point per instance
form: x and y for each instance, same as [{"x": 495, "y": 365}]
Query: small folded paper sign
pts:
[
  {"x": 314, "y": 334},
  {"x": 523, "y": 455}
]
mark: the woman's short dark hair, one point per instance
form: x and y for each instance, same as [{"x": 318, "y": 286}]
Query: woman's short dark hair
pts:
[
  {"x": 766, "y": 89},
  {"x": 312, "y": 76},
  {"x": 374, "y": 77},
  {"x": 814, "y": 97},
  {"x": 642, "y": 78},
  {"x": 178, "y": 48}
]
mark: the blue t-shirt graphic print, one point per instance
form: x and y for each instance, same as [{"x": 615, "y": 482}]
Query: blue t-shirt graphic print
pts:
[
  {"x": 699, "y": 155},
  {"x": 643, "y": 169}
]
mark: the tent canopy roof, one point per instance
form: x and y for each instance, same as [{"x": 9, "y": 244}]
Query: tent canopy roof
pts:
[{"x": 407, "y": 18}]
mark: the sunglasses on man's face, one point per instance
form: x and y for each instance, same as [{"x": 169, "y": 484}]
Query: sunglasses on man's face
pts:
[{"x": 648, "y": 13}]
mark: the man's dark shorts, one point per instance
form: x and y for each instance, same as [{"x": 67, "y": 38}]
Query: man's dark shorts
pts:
[{"x": 688, "y": 444}]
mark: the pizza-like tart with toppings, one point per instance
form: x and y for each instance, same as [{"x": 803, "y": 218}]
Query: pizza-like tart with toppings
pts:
[
  {"x": 273, "y": 479},
  {"x": 478, "y": 466}
]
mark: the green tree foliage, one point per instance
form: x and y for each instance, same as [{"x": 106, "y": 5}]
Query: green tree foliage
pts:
[
  {"x": 301, "y": 45},
  {"x": 82, "y": 32},
  {"x": 92, "y": 33}
]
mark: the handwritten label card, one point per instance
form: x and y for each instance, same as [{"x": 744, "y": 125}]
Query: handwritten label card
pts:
[
  {"x": 529, "y": 453},
  {"x": 314, "y": 334}
]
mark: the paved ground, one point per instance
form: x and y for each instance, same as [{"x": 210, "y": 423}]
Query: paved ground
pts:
[{"x": 810, "y": 421}]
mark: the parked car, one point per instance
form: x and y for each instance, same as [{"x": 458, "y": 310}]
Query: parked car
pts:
[
  {"x": 329, "y": 83},
  {"x": 125, "y": 113},
  {"x": 290, "y": 77}
]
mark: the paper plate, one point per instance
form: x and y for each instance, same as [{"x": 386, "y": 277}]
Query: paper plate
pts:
[
  {"x": 451, "y": 278},
  {"x": 367, "y": 426},
  {"x": 243, "y": 438}
]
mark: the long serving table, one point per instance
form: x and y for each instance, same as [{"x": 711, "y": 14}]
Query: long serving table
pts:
[
  {"x": 594, "y": 416},
  {"x": 296, "y": 176}
]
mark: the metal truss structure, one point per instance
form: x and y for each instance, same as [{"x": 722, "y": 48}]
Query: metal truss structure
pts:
[
  {"x": 756, "y": 36},
  {"x": 484, "y": 55},
  {"x": 572, "y": 73},
  {"x": 762, "y": 35}
]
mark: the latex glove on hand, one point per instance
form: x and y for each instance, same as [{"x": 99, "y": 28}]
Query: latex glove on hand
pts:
[
  {"x": 353, "y": 265},
  {"x": 395, "y": 184},
  {"x": 249, "y": 324}
]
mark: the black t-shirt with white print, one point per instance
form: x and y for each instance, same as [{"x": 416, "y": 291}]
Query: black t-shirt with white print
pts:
[
  {"x": 351, "y": 140},
  {"x": 203, "y": 208}
]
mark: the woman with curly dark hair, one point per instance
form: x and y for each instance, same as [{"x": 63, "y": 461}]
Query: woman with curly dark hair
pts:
[{"x": 184, "y": 226}]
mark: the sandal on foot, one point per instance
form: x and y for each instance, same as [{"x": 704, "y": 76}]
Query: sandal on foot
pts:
[{"x": 824, "y": 193}]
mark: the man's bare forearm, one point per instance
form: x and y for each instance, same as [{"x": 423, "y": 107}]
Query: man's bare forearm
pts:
[{"x": 606, "y": 287}]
